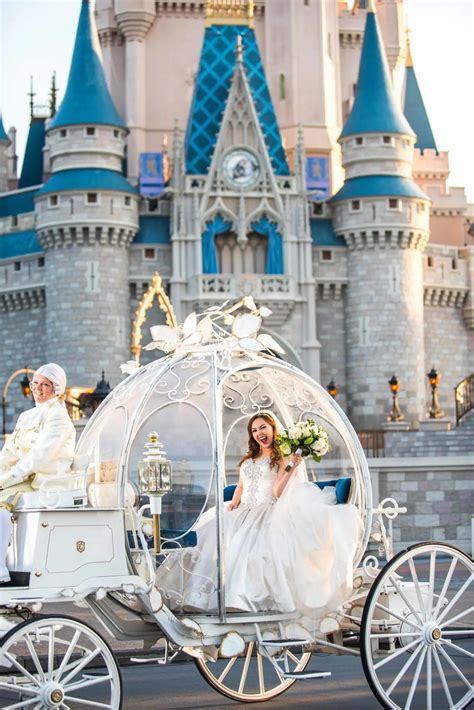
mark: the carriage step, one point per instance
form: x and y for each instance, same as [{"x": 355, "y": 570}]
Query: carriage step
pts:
[
  {"x": 306, "y": 675},
  {"x": 284, "y": 643}
]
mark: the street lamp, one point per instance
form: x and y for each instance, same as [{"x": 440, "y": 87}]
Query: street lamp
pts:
[
  {"x": 395, "y": 413},
  {"x": 332, "y": 388},
  {"x": 434, "y": 378},
  {"x": 25, "y": 388}
]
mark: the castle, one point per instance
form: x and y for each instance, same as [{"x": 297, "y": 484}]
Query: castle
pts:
[{"x": 302, "y": 169}]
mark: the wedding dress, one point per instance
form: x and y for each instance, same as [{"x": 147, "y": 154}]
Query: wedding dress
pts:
[{"x": 293, "y": 553}]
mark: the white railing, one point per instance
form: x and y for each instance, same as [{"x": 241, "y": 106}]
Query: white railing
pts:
[{"x": 219, "y": 286}]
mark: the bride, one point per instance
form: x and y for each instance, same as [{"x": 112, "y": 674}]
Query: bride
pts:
[{"x": 287, "y": 546}]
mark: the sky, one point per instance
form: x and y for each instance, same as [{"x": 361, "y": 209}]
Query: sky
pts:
[{"x": 37, "y": 38}]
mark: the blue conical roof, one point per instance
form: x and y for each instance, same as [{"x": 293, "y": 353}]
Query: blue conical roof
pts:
[
  {"x": 415, "y": 112},
  {"x": 32, "y": 170},
  {"x": 87, "y": 99},
  {"x": 375, "y": 109},
  {"x": 3, "y": 133}
]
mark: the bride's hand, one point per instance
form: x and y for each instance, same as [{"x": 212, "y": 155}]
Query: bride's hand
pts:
[
  {"x": 231, "y": 506},
  {"x": 295, "y": 461}
]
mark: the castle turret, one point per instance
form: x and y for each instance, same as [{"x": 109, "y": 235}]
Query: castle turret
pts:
[
  {"x": 4, "y": 143},
  {"x": 87, "y": 216},
  {"x": 383, "y": 217}
]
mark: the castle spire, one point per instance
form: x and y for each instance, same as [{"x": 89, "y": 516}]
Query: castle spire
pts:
[
  {"x": 414, "y": 107},
  {"x": 3, "y": 134},
  {"x": 87, "y": 98},
  {"x": 375, "y": 108}
]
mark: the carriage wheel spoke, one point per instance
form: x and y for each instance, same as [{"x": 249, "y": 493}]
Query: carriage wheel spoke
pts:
[
  {"x": 261, "y": 675},
  {"x": 403, "y": 596},
  {"x": 404, "y": 669},
  {"x": 227, "y": 669},
  {"x": 416, "y": 677},
  {"x": 455, "y": 668},
  {"x": 51, "y": 652},
  {"x": 447, "y": 581},
  {"x": 11, "y": 659},
  {"x": 458, "y": 632},
  {"x": 458, "y": 616},
  {"x": 245, "y": 669},
  {"x": 416, "y": 582},
  {"x": 67, "y": 655},
  {"x": 80, "y": 665},
  {"x": 458, "y": 648},
  {"x": 456, "y": 597},
  {"x": 89, "y": 703},
  {"x": 399, "y": 635},
  {"x": 392, "y": 656},
  {"x": 390, "y": 612},
  {"x": 88, "y": 682},
  {"x": 431, "y": 584},
  {"x": 22, "y": 704},
  {"x": 21, "y": 689},
  {"x": 429, "y": 679},
  {"x": 443, "y": 678},
  {"x": 34, "y": 657}
]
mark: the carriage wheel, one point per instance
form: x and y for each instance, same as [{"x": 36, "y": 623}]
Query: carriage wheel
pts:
[
  {"x": 57, "y": 662},
  {"x": 417, "y": 635},
  {"x": 251, "y": 677}
]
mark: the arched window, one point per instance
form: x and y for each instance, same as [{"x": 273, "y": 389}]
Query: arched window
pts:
[{"x": 233, "y": 259}]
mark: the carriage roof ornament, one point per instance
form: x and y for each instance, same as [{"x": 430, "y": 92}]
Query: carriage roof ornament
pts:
[{"x": 218, "y": 325}]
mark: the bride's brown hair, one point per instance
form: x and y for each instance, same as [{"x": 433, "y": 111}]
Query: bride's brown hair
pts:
[{"x": 254, "y": 447}]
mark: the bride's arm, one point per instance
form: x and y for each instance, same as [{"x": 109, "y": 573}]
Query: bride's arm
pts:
[
  {"x": 237, "y": 496},
  {"x": 284, "y": 476}
]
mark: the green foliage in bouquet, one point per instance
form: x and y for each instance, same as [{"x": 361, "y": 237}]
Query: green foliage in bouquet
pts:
[{"x": 305, "y": 438}]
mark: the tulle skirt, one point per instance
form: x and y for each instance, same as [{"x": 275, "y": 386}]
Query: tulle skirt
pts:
[{"x": 295, "y": 554}]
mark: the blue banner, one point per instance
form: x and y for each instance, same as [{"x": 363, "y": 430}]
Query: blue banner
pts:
[
  {"x": 317, "y": 177},
  {"x": 152, "y": 174}
]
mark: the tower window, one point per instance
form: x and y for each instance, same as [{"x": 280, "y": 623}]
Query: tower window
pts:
[
  {"x": 17, "y": 266},
  {"x": 152, "y": 205},
  {"x": 359, "y": 141},
  {"x": 355, "y": 206},
  {"x": 454, "y": 263},
  {"x": 282, "y": 87},
  {"x": 53, "y": 200},
  {"x": 128, "y": 201},
  {"x": 421, "y": 206},
  {"x": 393, "y": 204},
  {"x": 387, "y": 140},
  {"x": 40, "y": 262},
  {"x": 327, "y": 255},
  {"x": 116, "y": 133},
  {"x": 90, "y": 131},
  {"x": 14, "y": 220},
  {"x": 150, "y": 253},
  {"x": 430, "y": 262},
  {"x": 92, "y": 198},
  {"x": 63, "y": 132}
]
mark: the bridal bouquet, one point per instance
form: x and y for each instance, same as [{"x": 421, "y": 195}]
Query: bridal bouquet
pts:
[{"x": 304, "y": 438}]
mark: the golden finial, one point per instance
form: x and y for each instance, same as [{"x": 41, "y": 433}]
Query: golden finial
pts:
[
  {"x": 230, "y": 12},
  {"x": 409, "y": 59}
]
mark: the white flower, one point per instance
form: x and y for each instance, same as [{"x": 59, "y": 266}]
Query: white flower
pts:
[
  {"x": 129, "y": 367},
  {"x": 295, "y": 432}
]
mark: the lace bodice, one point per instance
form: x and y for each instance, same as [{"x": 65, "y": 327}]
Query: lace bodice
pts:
[{"x": 258, "y": 479}]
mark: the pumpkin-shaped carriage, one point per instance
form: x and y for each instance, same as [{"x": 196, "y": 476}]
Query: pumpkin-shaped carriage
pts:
[{"x": 98, "y": 544}]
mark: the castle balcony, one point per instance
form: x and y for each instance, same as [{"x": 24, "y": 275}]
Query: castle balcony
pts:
[{"x": 277, "y": 291}]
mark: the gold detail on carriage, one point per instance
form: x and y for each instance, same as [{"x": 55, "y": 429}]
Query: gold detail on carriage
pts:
[
  {"x": 436, "y": 634},
  {"x": 57, "y": 696},
  {"x": 156, "y": 289},
  {"x": 44, "y": 525},
  {"x": 80, "y": 546},
  {"x": 38, "y": 574}
]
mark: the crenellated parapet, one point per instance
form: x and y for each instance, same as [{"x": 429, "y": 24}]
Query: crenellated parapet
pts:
[{"x": 86, "y": 236}]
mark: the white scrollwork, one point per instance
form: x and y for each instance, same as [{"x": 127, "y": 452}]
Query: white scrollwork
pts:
[{"x": 371, "y": 566}]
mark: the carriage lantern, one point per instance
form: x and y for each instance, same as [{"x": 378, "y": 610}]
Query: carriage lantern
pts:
[{"x": 154, "y": 474}]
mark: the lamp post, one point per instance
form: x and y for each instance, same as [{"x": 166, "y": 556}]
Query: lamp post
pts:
[
  {"x": 434, "y": 378},
  {"x": 25, "y": 388},
  {"x": 395, "y": 413},
  {"x": 154, "y": 475},
  {"x": 332, "y": 388}
]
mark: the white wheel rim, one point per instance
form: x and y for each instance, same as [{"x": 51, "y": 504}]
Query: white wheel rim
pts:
[
  {"x": 418, "y": 626},
  {"x": 57, "y": 662},
  {"x": 251, "y": 677}
]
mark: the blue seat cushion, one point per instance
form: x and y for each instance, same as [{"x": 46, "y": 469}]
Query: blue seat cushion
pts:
[
  {"x": 229, "y": 492},
  {"x": 342, "y": 486},
  {"x": 187, "y": 540}
]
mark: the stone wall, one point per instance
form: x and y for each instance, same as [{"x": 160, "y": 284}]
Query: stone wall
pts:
[{"x": 438, "y": 494}]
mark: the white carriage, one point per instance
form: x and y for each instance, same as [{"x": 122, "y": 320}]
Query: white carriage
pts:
[{"x": 92, "y": 545}]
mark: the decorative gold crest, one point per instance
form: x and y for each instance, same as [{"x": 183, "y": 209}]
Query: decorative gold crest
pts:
[{"x": 80, "y": 545}]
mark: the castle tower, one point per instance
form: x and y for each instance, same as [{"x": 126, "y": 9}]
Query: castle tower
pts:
[
  {"x": 87, "y": 216},
  {"x": 4, "y": 143},
  {"x": 383, "y": 217}
]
